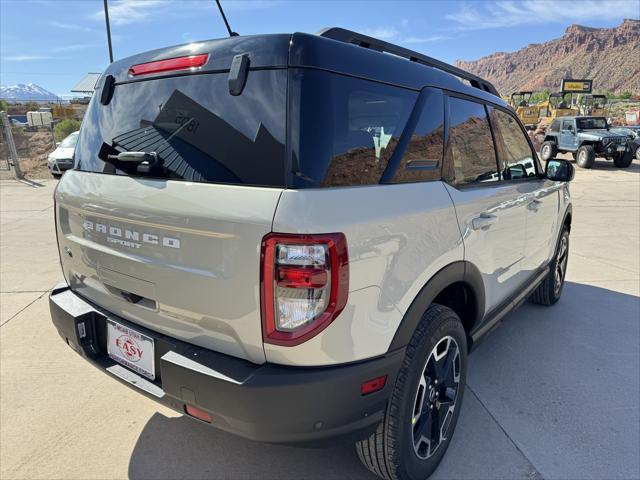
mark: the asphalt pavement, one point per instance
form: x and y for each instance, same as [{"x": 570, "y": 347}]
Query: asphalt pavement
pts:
[{"x": 553, "y": 393}]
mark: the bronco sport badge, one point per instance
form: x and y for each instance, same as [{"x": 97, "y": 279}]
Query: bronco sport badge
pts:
[{"x": 129, "y": 238}]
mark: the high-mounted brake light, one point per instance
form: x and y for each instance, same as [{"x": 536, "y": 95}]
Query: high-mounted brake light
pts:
[
  {"x": 171, "y": 64},
  {"x": 304, "y": 285}
]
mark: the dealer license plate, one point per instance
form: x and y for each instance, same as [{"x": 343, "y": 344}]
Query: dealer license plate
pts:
[{"x": 132, "y": 349}]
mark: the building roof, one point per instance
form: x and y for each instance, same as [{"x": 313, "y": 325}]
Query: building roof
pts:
[{"x": 87, "y": 84}]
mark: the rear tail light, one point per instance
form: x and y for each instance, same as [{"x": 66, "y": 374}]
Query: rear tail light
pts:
[
  {"x": 305, "y": 285},
  {"x": 171, "y": 64}
]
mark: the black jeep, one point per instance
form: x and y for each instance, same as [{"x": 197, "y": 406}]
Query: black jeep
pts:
[{"x": 586, "y": 138}]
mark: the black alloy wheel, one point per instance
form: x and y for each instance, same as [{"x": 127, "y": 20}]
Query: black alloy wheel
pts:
[{"x": 436, "y": 397}]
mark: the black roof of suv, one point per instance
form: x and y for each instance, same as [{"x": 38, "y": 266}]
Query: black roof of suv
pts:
[
  {"x": 235, "y": 110},
  {"x": 333, "y": 49}
]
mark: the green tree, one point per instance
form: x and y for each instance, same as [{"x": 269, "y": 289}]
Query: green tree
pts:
[
  {"x": 4, "y": 106},
  {"x": 626, "y": 95},
  {"x": 65, "y": 127},
  {"x": 538, "y": 97}
]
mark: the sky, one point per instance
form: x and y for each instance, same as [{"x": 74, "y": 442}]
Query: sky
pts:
[{"x": 54, "y": 43}]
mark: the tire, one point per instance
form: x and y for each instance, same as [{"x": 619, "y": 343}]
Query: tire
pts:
[
  {"x": 637, "y": 155},
  {"x": 624, "y": 160},
  {"x": 586, "y": 156},
  {"x": 397, "y": 451},
  {"x": 549, "y": 291},
  {"x": 548, "y": 150},
  {"x": 56, "y": 175}
]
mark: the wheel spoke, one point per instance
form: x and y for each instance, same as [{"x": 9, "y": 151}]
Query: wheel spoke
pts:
[
  {"x": 561, "y": 269},
  {"x": 434, "y": 435},
  {"x": 424, "y": 426},
  {"x": 420, "y": 399}
]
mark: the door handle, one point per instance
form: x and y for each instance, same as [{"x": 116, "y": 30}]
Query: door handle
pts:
[
  {"x": 533, "y": 205},
  {"x": 483, "y": 221}
]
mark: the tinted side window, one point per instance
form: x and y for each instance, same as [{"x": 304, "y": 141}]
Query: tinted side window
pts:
[
  {"x": 514, "y": 153},
  {"x": 555, "y": 126},
  {"x": 422, "y": 159},
  {"x": 567, "y": 125},
  {"x": 343, "y": 130},
  {"x": 470, "y": 148}
]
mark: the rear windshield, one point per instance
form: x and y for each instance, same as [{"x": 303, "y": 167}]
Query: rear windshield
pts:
[
  {"x": 70, "y": 141},
  {"x": 343, "y": 129},
  {"x": 197, "y": 129}
]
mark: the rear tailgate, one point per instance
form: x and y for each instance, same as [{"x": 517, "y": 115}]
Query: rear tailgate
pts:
[
  {"x": 176, "y": 248},
  {"x": 181, "y": 259}
]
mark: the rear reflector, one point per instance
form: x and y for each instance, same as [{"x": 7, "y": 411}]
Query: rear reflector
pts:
[
  {"x": 373, "y": 385},
  {"x": 171, "y": 64},
  {"x": 197, "y": 413}
]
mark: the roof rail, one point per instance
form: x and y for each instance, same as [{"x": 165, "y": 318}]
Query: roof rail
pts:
[{"x": 347, "y": 36}]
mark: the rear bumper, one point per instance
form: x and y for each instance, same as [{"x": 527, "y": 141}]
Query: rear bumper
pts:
[{"x": 268, "y": 403}]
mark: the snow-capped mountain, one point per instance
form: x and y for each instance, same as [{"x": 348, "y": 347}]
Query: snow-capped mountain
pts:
[{"x": 29, "y": 92}]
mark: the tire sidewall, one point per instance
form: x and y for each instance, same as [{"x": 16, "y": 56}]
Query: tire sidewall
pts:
[
  {"x": 623, "y": 160},
  {"x": 547, "y": 147},
  {"x": 411, "y": 466},
  {"x": 584, "y": 157}
]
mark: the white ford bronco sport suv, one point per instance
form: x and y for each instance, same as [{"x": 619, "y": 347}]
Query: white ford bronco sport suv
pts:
[{"x": 300, "y": 237}]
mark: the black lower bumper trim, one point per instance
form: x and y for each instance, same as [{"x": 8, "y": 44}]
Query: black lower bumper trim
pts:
[{"x": 269, "y": 403}]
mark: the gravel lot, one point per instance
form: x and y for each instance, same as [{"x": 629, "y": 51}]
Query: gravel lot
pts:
[{"x": 553, "y": 393}]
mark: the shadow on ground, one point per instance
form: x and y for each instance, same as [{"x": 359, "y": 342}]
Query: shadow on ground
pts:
[{"x": 554, "y": 392}]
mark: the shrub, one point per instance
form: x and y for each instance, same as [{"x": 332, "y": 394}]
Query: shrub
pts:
[{"x": 65, "y": 127}]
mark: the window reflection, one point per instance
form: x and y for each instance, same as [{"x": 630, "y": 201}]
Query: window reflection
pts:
[
  {"x": 514, "y": 153},
  {"x": 470, "y": 143}
]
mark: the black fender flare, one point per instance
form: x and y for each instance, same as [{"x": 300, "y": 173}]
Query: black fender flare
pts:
[{"x": 456, "y": 272}]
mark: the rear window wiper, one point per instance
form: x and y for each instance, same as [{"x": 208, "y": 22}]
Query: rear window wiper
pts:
[{"x": 147, "y": 160}]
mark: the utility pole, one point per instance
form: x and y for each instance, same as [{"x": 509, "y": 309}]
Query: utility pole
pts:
[
  {"x": 13, "y": 153},
  {"x": 106, "y": 18}
]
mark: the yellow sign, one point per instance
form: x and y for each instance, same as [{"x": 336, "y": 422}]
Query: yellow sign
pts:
[{"x": 576, "y": 86}]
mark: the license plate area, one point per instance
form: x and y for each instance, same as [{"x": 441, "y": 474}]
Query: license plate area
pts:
[
  {"x": 622, "y": 148},
  {"x": 131, "y": 348}
]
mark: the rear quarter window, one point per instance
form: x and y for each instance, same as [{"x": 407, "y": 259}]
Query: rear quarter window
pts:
[{"x": 343, "y": 130}]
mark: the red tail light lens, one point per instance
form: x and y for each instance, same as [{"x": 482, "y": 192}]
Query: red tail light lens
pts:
[
  {"x": 171, "y": 64},
  {"x": 305, "y": 285}
]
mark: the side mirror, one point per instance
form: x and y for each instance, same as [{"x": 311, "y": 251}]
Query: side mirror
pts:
[{"x": 559, "y": 170}]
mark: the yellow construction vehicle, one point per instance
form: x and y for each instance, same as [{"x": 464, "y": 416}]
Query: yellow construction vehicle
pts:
[
  {"x": 557, "y": 105},
  {"x": 527, "y": 112},
  {"x": 594, "y": 105}
]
